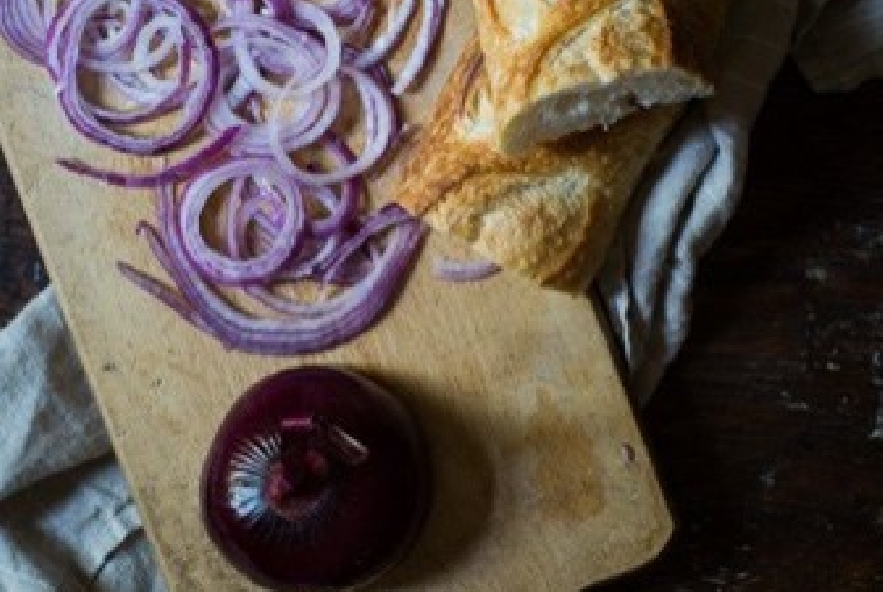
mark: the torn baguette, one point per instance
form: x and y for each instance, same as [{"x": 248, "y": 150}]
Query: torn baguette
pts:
[
  {"x": 549, "y": 216},
  {"x": 560, "y": 66}
]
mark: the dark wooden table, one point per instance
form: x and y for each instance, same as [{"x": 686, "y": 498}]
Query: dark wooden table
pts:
[{"x": 764, "y": 428}]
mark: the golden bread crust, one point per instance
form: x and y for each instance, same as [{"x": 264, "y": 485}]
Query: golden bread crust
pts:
[
  {"x": 543, "y": 50},
  {"x": 549, "y": 215}
]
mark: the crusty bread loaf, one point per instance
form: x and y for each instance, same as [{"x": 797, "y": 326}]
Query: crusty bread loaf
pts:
[
  {"x": 549, "y": 215},
  {"x": 559, "y": 66}
]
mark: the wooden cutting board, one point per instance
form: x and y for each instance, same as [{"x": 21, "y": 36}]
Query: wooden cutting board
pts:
[{"x": 528, "y": 423}]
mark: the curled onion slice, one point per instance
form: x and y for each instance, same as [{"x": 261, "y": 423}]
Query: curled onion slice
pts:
[
  {"x": 312, "y": 116},
  {"x": 264, "y": 86},
  {"x": 298, "y": 44},
  {"x": 433, "y": 11},
  {"x": 23, "y": 27},
  {"x": 380, "y": 129},
  {"x": 220, "y": 268},
  {"x": 63, "y": 60},
  {"x": 463, "y": 271},
  {"x": 170, "y": 174},
  {"x": 310, "y": 327},
  {"x": 397, "y": 24},
  {"x": 106, "y": 38}
]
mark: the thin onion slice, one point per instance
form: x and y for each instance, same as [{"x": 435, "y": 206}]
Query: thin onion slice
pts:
[
  {"x": 164, "y": 294},
  {"x": 123, "y": 34},
  {"x": 147, "y": 55},
  {"x": 266, "y": 92},
  {"x": 357, "y": 26},
  {"x": 170, "y": 173},
  {"x": 63, "y": 57},
  {"x": 222, "y": 269},
  {"x": 327, "y": 54},
  {"x": 324, "y": 325},
  {"x": 380, "y": 129},
  {"x": 397, "y": 24},
  {"x": 463, "y": 271},
  {"x": 23, "y": 28},
  {"x": 433, "y": 11}
]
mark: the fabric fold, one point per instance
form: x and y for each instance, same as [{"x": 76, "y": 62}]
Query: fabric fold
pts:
[
  {"x": 690, "y": 195},
  {"x": 45, "y": 397}
]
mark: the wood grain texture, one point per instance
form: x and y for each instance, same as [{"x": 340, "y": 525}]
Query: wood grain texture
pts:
[{"x": 515, "y": 386}]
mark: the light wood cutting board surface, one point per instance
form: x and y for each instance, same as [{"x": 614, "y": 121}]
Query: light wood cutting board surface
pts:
[{"x": 515, "y": 387}]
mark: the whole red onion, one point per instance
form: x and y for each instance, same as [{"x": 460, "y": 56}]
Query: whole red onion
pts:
[{"x": 316, "y": 479}]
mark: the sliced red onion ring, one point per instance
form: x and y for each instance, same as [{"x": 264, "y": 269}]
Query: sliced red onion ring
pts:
[
  {"x": 147, "y": 55},
  {"x": 342, "y": 272},
  {"x": 63, "y": 59},
  {"x": 380, "y": 126},
  {"x": 155, "y": 96},
  {"x": 385, "y": 218},
  {"x": 231, "y": 210},
  {"x": 237, "y": 6},
  {"x": 303, "y": 46},
  {"x": 259, "y": 44},
  {"x": 357, "y": 27},
  {"x": 141, "y": 89},
  {"x": 311, "y": 260},
  {"x": 324, "y": 239},
  {"x": 23, "y": 28},
  {"x": 343, "y": 209},
  {"x": 321, "y": 326},
  {"x": 285, "y": 56},
  {"x": 149, "y": 233},
  {"x": 278, "y": 9},
  {"x": 164, "y": 294},
  {"x": 397, "y": 24},
  {"x": 123, "y": 35},
  {"x": 463, "y": 271},
  {"x": 237, "y": 89},
  {"x": 304, "y": 131},
  {"x": 223, "y": 269},
  {"x": 315, "y": 116},
  {"x": 344, "y": 11},
  {"x": 164, "y": 104},
  {"x": 170, "y": 173},
  {"x": 433, "y": 11}
]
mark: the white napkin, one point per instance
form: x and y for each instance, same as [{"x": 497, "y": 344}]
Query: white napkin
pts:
[
  {"x": 693, "y": 187},
  {"x": 80, "y": 531},
  {"x": 73, "y": 531}
]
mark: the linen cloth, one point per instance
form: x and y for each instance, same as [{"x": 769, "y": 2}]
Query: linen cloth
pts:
[{"x": 67, "y": 519}]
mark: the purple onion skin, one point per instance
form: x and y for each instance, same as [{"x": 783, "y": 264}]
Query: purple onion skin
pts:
[{"x": 378, "y": 506}]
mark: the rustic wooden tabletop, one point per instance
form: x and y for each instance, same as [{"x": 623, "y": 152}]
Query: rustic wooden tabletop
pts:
[{"x": 764, "y": 429}]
